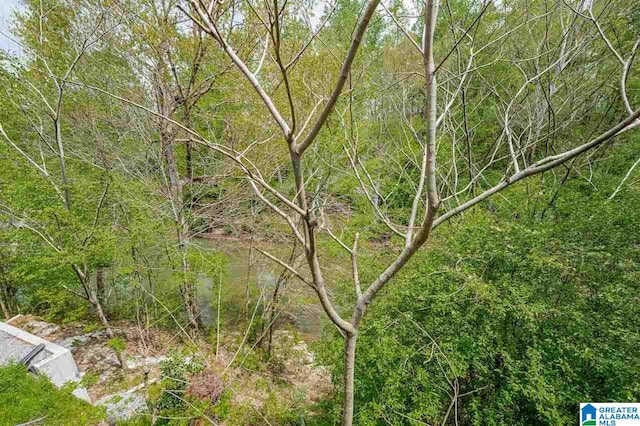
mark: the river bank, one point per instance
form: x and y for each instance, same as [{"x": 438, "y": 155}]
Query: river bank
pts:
[{"x": 249, "y": 381}]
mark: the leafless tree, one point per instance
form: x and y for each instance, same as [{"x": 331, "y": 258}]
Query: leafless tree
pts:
[
  {"x": 519, "y": 147},
  {"x": 554, "y": 81}
]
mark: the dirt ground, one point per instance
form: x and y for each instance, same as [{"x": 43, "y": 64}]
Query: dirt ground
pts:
[{"x": 146, "y": 349}]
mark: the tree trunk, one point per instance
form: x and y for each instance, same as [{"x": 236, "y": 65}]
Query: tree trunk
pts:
[
  {"x": 272, "y": 315},
  {"x": 189, "y": 296},
  {"x": 271, "y": 327},
  {"x": 218, "y": 307},
  {"x": 105, "y": 323},
  {"x": 8, "y": 301},
  {"x": 100, "y": 284},
  {"x": 5, "y": 310},
  {"x": 247, "y": 300},
  {"x": 349, "y": 370}
]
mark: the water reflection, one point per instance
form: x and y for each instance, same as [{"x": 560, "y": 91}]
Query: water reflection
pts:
[{"x": 297, "y": 304}]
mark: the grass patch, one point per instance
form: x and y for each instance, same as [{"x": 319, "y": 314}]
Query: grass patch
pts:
[{"x": 25, "y": 397}]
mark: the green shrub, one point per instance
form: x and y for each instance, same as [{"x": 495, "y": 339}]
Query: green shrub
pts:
[
  {"x": 117, "y": 344},
  {"x": 168, "y": 395},
  {"x": 524, "y": 316},
  {"x": 25, "y": 397}
]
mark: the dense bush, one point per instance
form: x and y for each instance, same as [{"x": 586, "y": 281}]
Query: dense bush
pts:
[{"x": 521, "y": 317}]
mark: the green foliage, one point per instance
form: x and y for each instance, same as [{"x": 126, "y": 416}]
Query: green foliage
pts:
[
  {"x": 524, "y": 317},
  {"x": 275, "y": 410},
  {"x": 24, "y": 397},
  {"x": 117, "y": 344},
  {"x": 90, "y": 378},
  {"x": 168, "y": 395},
  {"x": 505, "y": 304}
]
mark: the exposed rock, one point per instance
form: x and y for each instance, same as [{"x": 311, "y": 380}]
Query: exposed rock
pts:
[
  {"x": 73, "y": 341},
  {"x": 124, "y": 405},
  {"x": 305, "y": 354},
  {"x": 82, "y": 393},
  {"x": 34, "y": 326},
  {"x": 41, "y": 328},
  {"x": 138, "y": 361},
  {"x": 96, "y": 357}
]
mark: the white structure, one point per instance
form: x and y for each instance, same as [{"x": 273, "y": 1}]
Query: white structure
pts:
[{"x": 54, "y": 361}]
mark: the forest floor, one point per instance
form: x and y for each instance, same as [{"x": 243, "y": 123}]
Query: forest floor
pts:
[{"x": 291, "y": 370}]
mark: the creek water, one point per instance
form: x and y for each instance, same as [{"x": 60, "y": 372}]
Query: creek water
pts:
[{"x": 297, "y": 305}]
